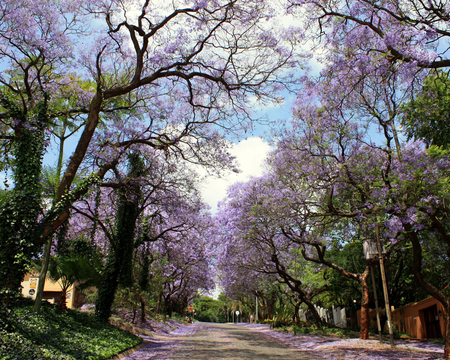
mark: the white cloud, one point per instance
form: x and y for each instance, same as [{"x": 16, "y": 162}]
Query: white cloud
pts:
[{"x": 250, "y": 155}]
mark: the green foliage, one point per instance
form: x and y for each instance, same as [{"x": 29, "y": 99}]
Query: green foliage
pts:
[
  {"x": 70, "y": 270},
  {"x": 284, "y": 315},
  {"x": 427, "y": 117},
  {"x": 5, "y": 196},
  {"x": 19, "y": 226},
  {"x": 340, "y": 289},
  {"x": 324, "y": 331},
  {"x": 56, "y": 335},
  {"x": 82, "y": 187},
  {"x": 209, "y": 310}
]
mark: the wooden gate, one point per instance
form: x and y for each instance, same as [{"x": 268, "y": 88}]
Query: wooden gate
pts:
[{"x": 430, "y": 315}]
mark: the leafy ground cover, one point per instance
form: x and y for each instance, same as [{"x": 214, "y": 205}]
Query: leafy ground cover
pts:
[{"x": 56, "y": 335}]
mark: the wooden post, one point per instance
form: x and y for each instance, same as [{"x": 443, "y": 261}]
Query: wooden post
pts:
[
  {"x": 376, "y": 305},
  {"x": 385, "y": 290}
]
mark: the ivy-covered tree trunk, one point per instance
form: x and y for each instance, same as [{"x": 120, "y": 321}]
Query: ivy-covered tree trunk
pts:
[
  {"x": 119, "y": 264},
  {"x": 107, "y": 288},
  {"x": 144, "y": 282},
  {"x": 19, "y": 218}
]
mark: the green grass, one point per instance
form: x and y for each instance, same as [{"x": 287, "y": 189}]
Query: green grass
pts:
[
  {"x": 438, "y": 341},
  {"x": 56, "y": 335},
  {"x": 313, "y": 330}
]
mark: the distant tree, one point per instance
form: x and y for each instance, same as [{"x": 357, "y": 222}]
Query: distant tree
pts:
[{"x": 209, "y": 309}]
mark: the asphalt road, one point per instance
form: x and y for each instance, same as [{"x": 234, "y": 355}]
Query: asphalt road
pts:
[{"x": 231, "y": 342}]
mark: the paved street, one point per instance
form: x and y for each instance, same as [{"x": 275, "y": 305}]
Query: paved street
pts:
[
  {"x": 201, "y": 341},
  {"x": 228, "y": 341},
  {"x": 219, "y": 341}
]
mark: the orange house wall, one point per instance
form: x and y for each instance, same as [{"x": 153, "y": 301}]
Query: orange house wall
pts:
[
  {"x": 409, "y": 319},
  {"x": 51, "y": 288}
]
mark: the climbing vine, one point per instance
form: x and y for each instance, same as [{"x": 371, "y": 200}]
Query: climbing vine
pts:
[
  {"x": 19, "y": 217},
  {"x": 118, "y": 268}
]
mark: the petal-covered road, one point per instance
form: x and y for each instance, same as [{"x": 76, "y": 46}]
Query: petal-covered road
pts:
[{"x": 248, "y": 341}]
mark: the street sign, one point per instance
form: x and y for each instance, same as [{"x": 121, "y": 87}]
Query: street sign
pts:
[{"x": 191, "y": 308}]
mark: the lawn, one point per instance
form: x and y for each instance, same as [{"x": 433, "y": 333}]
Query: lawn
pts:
[{"x": 56, "y": 335}]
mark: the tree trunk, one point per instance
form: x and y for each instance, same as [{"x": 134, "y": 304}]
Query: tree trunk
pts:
[
  {"x": 314, "y": 312},
  {"x": 62, "y": 306},
  {"x": 183, "y": 306},
  {"x": 142, "y": 308},
  {"x": 447, "y": 333},
  {"x": 158, "y": 304},
  {"x": 297, "y": 316},
  {"x": 169, "y": 308},
  {"x": 263, "y": 311},
  {"x": 43, "y": 275},
  {"x": 270, "y": 310},
  {"x": 107, "y": 289},
  {"x": 364, "y": 334}
]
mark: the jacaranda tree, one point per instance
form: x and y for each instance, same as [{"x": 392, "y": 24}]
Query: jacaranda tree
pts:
[{"x": 161, "y": 72}]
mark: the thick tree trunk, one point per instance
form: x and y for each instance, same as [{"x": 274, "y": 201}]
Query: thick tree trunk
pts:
[
  {"x": 263, "y": 311},
  {"x": 158, "y": 304},
  {"x": 142, "y": 301},
  {"x": 107, "y": 289},
  {"x": 183, "y": 306},
  {"x": 364, "y": 321},
  {"x": 447, "y": 334},
  {"x": 297, "y": 315},
  {"x": 170, "y": 309},
  {"x": 62, "y": 306},
  {"x": 270, "y": 310},
  {"x": 314, "y": 312},
  {"x": 43, "y": 275},
  {"x": 168, "y": 306}
]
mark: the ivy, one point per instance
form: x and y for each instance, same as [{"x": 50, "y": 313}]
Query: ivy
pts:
[
  {"x": 118, "y": 269},
  {"x": 19, "y": 225},
  {"x": 69, "y": 197}
]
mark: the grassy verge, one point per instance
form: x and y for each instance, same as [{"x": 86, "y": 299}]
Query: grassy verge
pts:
[
  {"x": 332, "y": 331},
  {"x": 56, "y": 335},
  {"x": 297, "y": 330}
]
